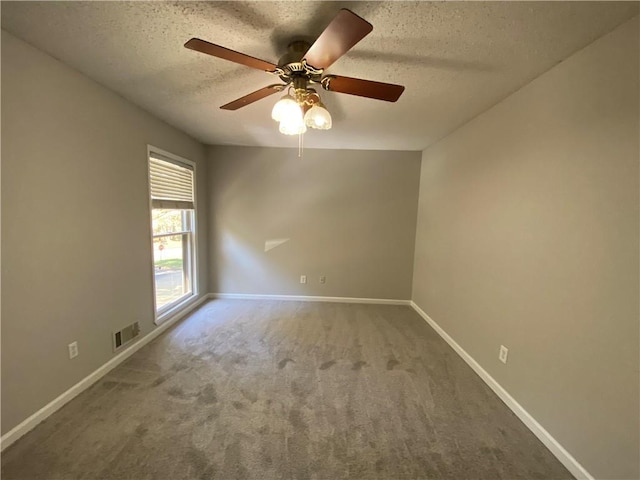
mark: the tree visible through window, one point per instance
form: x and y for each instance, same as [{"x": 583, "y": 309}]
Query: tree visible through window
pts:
[{"x": 173, "y": 224}]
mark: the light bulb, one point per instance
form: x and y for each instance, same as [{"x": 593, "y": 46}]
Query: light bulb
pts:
[
  {"x": 292, "y": 122},
  {"x": 282, "y": 106},
  {"x": 318, "y": 117}
]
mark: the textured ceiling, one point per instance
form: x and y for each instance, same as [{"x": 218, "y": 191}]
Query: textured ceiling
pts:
[{"x": 456, "y": 59}]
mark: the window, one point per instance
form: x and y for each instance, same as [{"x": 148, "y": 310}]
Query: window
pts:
[{"x": 171, "y": 185}]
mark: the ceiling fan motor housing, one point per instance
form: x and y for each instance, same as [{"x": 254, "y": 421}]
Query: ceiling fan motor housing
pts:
[{"x": 292, "y": 66}]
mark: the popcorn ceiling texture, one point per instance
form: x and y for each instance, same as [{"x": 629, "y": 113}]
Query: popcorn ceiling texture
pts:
[{"x": 455, "y": 59}]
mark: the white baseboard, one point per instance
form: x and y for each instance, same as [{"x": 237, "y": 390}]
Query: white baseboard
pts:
[
  {"x": 538, "y": 430},
  {"x": 307, "y": 298},
  {"x": 25, "y": 426},
  {"x": 545, "y": 437}
]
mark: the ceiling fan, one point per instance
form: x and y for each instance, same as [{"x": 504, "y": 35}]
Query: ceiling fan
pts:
[{"x": 304, "y": 65}]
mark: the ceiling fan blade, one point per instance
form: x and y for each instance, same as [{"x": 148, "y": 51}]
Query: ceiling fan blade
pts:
[
  {"x": 363, "y": 88},
  {"x": 253, "y": 97},
  {"x": 226, "y": 54},
  {"x": 344, "y": 31}
]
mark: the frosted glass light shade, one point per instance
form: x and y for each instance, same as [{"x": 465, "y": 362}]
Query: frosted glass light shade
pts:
[
  {"x": 318, "y": 117},
  {"x": 282, "y": 108},
  {"x": 292, "y": 123}
]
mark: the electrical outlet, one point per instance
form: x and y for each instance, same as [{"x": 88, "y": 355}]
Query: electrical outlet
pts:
[
  {"x": 502, "y": 356},
  {"x": 323, "y": 279},
  {"x": 73, "y": 350},
  {"x": 303, "y": 279}
]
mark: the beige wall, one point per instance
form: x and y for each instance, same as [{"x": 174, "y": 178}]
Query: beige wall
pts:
[
  {"x": 76, "y": 254},
  {"x": 349, "y": 214},
  {"x": 528, "y": 236}
]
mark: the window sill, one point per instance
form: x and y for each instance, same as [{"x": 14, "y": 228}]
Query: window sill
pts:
[{"x": 176, "y": 309}]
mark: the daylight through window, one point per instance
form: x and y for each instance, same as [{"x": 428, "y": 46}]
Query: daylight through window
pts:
[{"x": 173, "y": 223}]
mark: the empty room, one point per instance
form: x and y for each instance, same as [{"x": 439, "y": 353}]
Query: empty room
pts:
[{"x": 320, "y": 240}]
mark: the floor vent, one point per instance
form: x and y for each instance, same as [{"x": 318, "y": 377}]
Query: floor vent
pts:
[{"x": 126, "y": 335}]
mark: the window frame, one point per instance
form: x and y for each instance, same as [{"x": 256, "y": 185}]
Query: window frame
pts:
[{"x": 169, "y": 310}]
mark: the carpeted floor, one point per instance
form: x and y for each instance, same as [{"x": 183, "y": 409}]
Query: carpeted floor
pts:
[{"x": 287, "y": 390}]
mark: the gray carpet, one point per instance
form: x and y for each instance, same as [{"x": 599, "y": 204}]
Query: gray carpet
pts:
[{"x": 287, "y": 390}]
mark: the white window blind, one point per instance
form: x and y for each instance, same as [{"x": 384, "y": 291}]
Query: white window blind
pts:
[{"x": 171, "y": 183}]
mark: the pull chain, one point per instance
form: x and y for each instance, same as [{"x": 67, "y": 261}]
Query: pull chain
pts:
[{"x": 300, "y": 144}]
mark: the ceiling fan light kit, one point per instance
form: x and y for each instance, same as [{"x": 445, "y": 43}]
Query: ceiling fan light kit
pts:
[
  {"x": 304, "y": 65},
  {"x": 301, "y": 110},
  {"x": 282, "y": 106},
  {"x": 292, "y": 120},
  {"x": 318, "y": 117}
]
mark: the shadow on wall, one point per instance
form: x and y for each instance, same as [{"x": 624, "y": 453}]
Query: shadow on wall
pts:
[{"x": 247, "y": 258}]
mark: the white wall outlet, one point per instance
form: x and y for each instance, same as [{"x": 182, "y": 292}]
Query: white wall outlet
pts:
[
  {"x": 303, "y": 279},
  {"x": 323, "y": 279},
  {"x": 73, "y": 350},
  {"x": 504, "y": 351}
]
